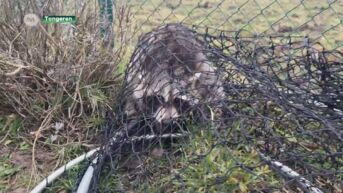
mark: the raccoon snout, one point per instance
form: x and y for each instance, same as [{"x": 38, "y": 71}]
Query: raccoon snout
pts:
[{"x": 166, "y": 114}]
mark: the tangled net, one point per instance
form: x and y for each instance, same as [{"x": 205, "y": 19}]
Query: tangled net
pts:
[{"x": 282, "y": 107}]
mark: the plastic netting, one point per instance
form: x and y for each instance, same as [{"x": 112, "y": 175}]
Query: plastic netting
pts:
[{"x": 281, "y": 103}]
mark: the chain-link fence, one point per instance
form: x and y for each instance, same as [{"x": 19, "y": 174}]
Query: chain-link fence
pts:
[
  {"x": 321, "y": 20},
  {"x": 202, "y": 96},
  {"x": 281, "y": 108}
]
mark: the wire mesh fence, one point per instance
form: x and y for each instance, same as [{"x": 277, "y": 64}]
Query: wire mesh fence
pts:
[
  {"x": 209, "y": 96},
  {"x": 238, "y": 105},
  {"x": 281, "y": 106},
  {"x": 320, "y": 20}
]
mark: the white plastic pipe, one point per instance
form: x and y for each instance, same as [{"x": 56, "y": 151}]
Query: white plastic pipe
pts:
[
  {"x": 306, "y": 185},
  {"x": 52, "y": 177},
  {"x": 57, "y": 173},
  {"x": 87, "y": 177}
]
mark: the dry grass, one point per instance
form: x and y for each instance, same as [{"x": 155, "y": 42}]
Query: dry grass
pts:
[
  {"x": 320, "y": 20},
  {"x": 58, "y": 80}
]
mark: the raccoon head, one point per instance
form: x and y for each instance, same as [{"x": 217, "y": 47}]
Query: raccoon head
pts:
[
  {"x": 167, "y": 94},
  {"x": 169, "y": 75},
  {"x": 166, "y": 111},
  {"x": 163, "y": 99}
]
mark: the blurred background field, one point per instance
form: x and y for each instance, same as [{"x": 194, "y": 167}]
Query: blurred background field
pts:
[
  {"x": 57, "y": 81},
  {"x": 321, "y": 20}
]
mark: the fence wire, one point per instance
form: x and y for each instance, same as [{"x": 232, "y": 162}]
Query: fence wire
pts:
[
  {"x": 246, "y": 98},
  {"x": 279, "y": 66},
  {"x": 231, "y": 104},
  {"x": 321, "y": 20}
]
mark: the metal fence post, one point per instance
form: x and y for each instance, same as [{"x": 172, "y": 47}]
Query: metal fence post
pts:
[{"x": 106, "y": 14}]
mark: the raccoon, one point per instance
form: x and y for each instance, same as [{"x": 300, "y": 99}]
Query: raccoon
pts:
[{"x": 169, "y": 75}]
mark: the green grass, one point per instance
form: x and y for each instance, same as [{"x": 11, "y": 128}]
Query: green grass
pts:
[
  {"x": 318, "y": 19},
  {"x": 199, "y": 168},
  {"x": 197, "y": 164},
  {"x": 67, "y": 182},
  {"x": 214, "y": 168},
  {"x": 7, "y": 172}
]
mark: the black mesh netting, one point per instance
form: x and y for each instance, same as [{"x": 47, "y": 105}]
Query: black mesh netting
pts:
[{"x": 238, "y": 102}]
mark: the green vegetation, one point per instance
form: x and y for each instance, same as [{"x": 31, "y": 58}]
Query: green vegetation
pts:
[
  {"x": 316, "y": 18},
  {"x": 7, "y": 172},
  {"x": 206, "y": 166}
]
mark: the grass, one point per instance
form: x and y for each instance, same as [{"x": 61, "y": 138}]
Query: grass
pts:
[
  {"x": 7, "y": 172},
  {"x": 215, "y": 168},
  {"x": 32, "y": 146},
  {"x": 317, "y": 19},
  {"x": 203, "y": 166}
]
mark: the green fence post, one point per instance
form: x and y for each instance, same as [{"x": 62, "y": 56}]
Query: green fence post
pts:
[{"x": 106, "y": 14}]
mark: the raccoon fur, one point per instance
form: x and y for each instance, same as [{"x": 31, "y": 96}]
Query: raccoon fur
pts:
[{"x": 169, "y": 74}]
